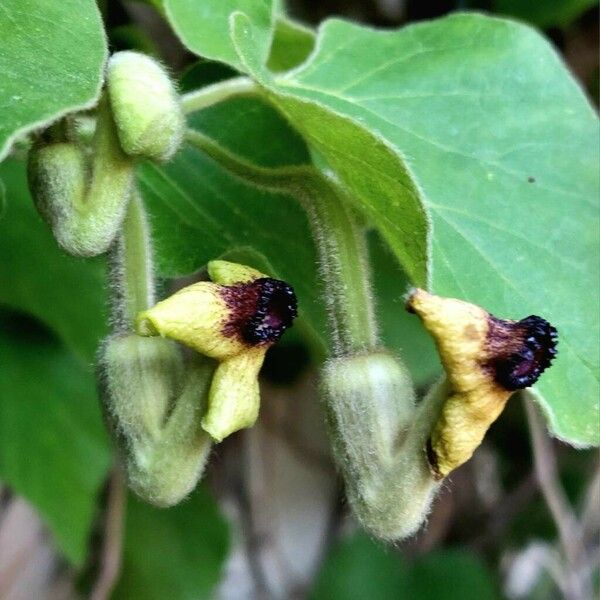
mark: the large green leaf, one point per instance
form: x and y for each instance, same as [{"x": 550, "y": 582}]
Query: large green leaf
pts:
[
  {"x": 53, "y": 449},
  {"x": 203, "y": 26},
  {"x": 359, "y": 568},
  {"x": 172, "y": 553},
  {"x": 51, "y": 60},
  {"x": 67, "y": 294},
  {"x": 478, "y": 121}
]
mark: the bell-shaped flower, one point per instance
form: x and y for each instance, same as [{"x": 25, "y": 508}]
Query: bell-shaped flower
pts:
[
  {"x": 234, "y": 318},
  {"x": 486, "y": 359}
]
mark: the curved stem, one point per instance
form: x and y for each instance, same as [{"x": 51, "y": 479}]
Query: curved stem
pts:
[
  {"x": 274, "y": 179},
  {"x": 131, "y": 266},
  {"x": 217, "y": 92},
  {"x": 340, "y": 242},
  {"x": 344, "y": 268}
]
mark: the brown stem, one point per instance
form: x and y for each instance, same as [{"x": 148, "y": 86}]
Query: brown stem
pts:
[
  {"x": 566, "y": 523},
  {"x": 590, "y": 519},
  {"x": 110, "y": 561}
]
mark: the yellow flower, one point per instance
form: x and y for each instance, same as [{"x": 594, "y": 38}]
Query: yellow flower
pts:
[
  {"x": 235, "y": 319},
  {"x": 485, "y": 360}
]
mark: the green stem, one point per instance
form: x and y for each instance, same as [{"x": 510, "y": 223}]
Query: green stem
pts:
[
  {"x": 131, "y": 266},
  {"x": 344, "y": 269},
  {"x": 217, "y": 92},
  {"x": 339, "y": 240}
]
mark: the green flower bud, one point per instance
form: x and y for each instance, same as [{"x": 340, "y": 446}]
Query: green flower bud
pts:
[
  {"x": 377, "y": 398},
  {"x": 145, "y": 106},
  {"x": 379, "y": 442},
  {"x": 82, "y": 198},
  {"x": 154, "y": 406},
  {"x": 56, "y": 171}
]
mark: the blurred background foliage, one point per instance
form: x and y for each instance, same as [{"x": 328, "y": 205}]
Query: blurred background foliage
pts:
[{"x": 269, "y": 519}]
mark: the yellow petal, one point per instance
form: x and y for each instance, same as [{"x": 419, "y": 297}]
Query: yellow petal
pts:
[
  {"x": 460, "y": 330},
  {"x": 234, "y": 397},
  {"x": 228, "y": 273},
  {"x": 462, "y": 425},
  {"x": 194, "y": 316}
]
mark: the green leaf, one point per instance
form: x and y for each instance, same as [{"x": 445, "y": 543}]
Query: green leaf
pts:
[
  {"x": 451, "y": 574},
  {"x": 202, "y": 73},
  {"x": 292, "y": 43},
  {"x": 359, "y": 568},
  {"x": 173, "y": 553},
  {"x": 67, "y": 294},
  {"x": 399, "y": 329},
  {"x": 203, "y": 26},
  {"x": 51, "y": 62},
  {"x": 544, "y": 13},
  {"x": 477, "y": 121},
  {"x": 53, "y": 449},
  {"x": 2, "y": 198}
]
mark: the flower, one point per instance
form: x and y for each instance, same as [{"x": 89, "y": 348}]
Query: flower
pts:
[
  {"x": 486, "y": 359},
  {"x": 235, "y": 319}
]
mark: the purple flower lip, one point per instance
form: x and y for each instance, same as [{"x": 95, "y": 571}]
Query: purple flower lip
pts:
[
  {"x": 276, "y": 310},
  {"x": 521, "y": 362},
  {"x": 261, "y": 310}
]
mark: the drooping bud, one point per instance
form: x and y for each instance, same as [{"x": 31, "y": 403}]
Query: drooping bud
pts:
[
  {"x": 378, "y": 436},
  {"x": 154, "y": 407},
  {"x": 145, "y": 106},
  {"x": 235, "y": 324},
  {"x": 57, "y": 174},
  {"x": 485, "y": 359},
  {"x": 377, "y": 390},
  {"x": 234, "y": 395},
  {"x": 82, "y": 198}
]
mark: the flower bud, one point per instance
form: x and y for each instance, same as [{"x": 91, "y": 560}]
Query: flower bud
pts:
[
  {"x": 372, "y": 393},
  {"x": 234, "y": 323},
  {"x": 145, "y": 106},
  {"x": 485, "y": 359},
  {"x": 57, "y": 173},
  {"x": 379, "y": 439},
  {"x": 154, "y": 410},
  {"x": 82, "y": 198}
]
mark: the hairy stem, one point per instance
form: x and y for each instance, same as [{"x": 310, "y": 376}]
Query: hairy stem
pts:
[
  {"x": 344, "y": 269},
  {"x": 217, "y": 92},
  {"x": 131, "y": 268}
]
